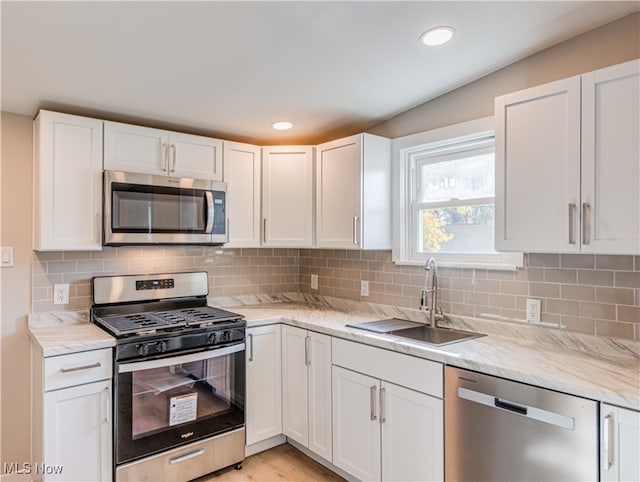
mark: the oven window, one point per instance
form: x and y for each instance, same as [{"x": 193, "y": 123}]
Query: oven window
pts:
[
  {"x": 150, "y": 209},
  {"x": 170, "y": 396}
]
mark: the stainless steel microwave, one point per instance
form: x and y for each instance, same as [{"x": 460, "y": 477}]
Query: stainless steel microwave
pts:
[{"x": 144, "y": 209}]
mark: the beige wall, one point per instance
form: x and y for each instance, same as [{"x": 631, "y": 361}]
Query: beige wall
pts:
[
  {"x": 609, "y": 44},
  {"x": 15, "y": 299}
]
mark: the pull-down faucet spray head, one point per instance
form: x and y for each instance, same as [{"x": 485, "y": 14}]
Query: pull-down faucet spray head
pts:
[{"x": 431, "y": 270}]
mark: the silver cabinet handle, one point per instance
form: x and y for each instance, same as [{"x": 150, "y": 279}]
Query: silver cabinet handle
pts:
[
  {"x": 250, "y": 346},
  {"x": 173, "y": 148},
  {"x": 355, "y": 230},
  {"x": 608, "y": 442},
  {"x": 264, "y": 230},
  {"x": 107, "y": 402},
  {"x": 307, "y": 350},
  {"x": 585, "y": 223},
  {"x": 572, "y": 216},
  {"x": 187, "y": 456},
  {"x": 372, "y": 393},
  {"x": 81, "y": 367},
  {"x": 165, "y": 165},
  {"x": 383, "y": 415}
]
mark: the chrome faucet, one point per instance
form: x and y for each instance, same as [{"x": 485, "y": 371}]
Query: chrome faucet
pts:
[{"x": 434, "y": 313}]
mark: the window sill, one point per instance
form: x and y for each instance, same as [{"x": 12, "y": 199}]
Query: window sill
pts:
[{"x": 514, "y": 262}]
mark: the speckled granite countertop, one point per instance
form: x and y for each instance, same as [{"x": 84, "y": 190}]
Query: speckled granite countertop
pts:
[{"x": 598, "y": 368}]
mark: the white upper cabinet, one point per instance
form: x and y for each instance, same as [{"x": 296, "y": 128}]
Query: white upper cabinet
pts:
[
  {"x": 538, "y": 168},
  {"x": 242, "y": 168},
  {"x": 611, "y": 159},
  {"x": 287, "y": 196},
  {"x": 67, "y": 183},
  {"x": 353, "y": 193},
  {"x": 145, "y": 150},
  {"x": 568, "y": 165}
]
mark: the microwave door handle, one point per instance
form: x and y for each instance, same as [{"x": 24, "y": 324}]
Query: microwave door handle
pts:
[{"x": 209, "y": 228}]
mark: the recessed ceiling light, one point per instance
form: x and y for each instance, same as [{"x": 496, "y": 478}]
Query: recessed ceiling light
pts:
[
  {"x": 437, "y": 36},
  {"x": 282, "y": 125}
]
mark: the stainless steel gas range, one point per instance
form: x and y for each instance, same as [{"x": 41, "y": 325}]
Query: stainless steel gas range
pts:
[{"x": 179, "y": 376}]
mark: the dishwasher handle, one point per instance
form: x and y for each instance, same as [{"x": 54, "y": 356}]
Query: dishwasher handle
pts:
[
  {"x": 535, "y": 413},
  {"x": 509, "y": 406}
]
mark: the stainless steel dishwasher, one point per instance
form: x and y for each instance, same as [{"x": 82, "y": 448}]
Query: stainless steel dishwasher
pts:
[{"x": 500, "y": 430}]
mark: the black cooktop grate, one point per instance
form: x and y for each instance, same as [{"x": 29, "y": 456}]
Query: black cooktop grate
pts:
[{"x": 123, "y": 324}]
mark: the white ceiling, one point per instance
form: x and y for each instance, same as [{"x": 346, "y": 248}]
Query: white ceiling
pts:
[{"x": 232, "y": 68}]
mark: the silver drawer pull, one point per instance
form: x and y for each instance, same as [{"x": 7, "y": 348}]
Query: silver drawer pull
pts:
[
  {"x": 81, "y": 367},
  {"x": 187, "y": 456},
  {"x": 608, "y": 442}
]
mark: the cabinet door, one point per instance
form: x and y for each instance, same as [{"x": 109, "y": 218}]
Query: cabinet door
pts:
[
  {"x": 620, "y": 444},
  {"x": 611, "y": 160},
  {"x": 263, "y": 406},
  {"x": 339, "y": 193},
  {"x": 287, "y": 196},
  {"x": 132, "y": 148},
  {"x": 77, "y": 432},
  {"x": 197, "y": 157},
  {"x": 538, "y": 168},
  {"x": 412, "y": 434},
  {"x": 319, "y": 386},
  {"x": 295, "y": 400},
  {"x": 242, "y": 175},
  {"x": 67, "y": 183},
  {"x": 356, "y": 431}
]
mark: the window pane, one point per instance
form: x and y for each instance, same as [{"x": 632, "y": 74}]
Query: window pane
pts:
[
  {"x": 461, "y": 229},
  {"x": 463, "y": 178}
]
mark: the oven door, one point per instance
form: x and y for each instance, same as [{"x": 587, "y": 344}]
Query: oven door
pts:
[
  {"x": 171, "y": 401},
  {"x": 147, "y": 209}
]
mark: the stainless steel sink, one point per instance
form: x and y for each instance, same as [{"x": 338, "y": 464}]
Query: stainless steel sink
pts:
[{"x": 417, "y": 331}]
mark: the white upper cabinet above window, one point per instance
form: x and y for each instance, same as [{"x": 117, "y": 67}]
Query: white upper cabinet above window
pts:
[
  {"x": 568, "y": 165},
  {"x": 353, "y": 193},
  {"x": 145, "y": 150},
  {"x": 67, "y": 186}
]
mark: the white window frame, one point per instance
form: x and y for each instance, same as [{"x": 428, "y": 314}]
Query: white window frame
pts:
[{"x": 405, "y": 149}]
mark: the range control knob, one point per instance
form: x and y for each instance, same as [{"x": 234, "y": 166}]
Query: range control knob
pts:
[
  {"x": 161, "y": 347},
  {"x": 226, "y": 336},
  {"x": 212, "y": 338},
  {"x": 143, "y": 350}
]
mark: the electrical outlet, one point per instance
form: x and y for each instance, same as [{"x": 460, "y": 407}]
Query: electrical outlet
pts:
[
  {"x": 61, "y": 294},
  {"x": 364, "y": 288},
  {"x": 533, "y": 310},
  {"x": 314, "y": 281}
]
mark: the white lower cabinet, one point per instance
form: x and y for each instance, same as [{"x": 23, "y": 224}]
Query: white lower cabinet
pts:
[
  {"x": 263, "y": 407},
  {"x": 71, "y": 416},
  {"x": 619, "y": 444},
  {"x": 306, "y": 389},
  {"x": 383, "y": 430}
]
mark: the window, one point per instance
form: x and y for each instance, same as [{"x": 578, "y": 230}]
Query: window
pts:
[{"x": 446, "y": 198}]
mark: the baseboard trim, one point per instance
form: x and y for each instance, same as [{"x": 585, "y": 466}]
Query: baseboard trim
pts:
[
  {"x": 263, "y": 445},
  {"x": 321, "y": 460}
]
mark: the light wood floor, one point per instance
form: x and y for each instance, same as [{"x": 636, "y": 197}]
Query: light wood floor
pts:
[{"x": 279, "y": 463}]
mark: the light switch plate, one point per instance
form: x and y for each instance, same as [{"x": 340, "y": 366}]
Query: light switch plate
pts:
[{"x": 7, "y": 257}]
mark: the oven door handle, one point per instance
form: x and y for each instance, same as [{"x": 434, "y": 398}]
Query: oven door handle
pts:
[{"x": 176, "y": 360}]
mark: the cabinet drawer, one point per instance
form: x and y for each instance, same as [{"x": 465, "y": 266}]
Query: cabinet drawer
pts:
[
  {"x": 77, "y": 368},
  {"x": 416, "y": 373}
]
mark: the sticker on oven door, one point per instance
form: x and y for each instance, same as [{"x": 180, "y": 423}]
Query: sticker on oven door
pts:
[{"x": 183, "y": 408}]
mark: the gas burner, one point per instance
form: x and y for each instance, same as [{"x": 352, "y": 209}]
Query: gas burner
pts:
[{"x": 154, "y": 321}]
